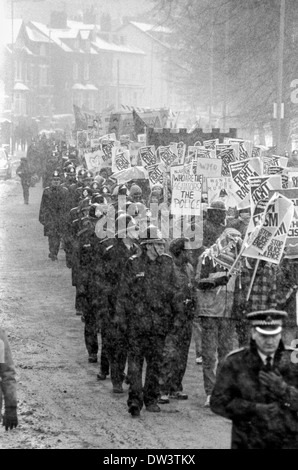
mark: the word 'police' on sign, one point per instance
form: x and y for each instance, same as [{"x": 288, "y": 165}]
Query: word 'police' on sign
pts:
[{"x": 186, "y": 191}]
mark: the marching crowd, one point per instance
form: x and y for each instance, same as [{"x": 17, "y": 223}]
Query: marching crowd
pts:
[{"x": 147, "y": 295}]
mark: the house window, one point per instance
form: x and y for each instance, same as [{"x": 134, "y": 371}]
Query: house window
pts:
[
  {"x": 43, "y": 75},
  {"x": 20, "y": 107},
  {"x": 75, "y": 71},
  {"x": 86, "y": 71},
  {"x": 43, "y": 50},
  {"x": 18, "y": 68}
]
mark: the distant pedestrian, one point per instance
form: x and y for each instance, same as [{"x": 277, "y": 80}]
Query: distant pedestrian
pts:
[{"x": 23, "y": 171}]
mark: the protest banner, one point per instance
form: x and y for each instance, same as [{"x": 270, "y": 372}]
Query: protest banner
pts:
[
  {"x": 120, "y": 159},
  {"x": 240, "y": 172},
  {"x": 186, "y": 191},
  {"x": 221, "y": 188},
  {"x": 148, "y": 156}
]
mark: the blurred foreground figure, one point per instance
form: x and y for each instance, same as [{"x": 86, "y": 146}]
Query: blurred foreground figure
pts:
[
  {"x": 257, "y": 388},
  {"x": 7, "y": 384}
]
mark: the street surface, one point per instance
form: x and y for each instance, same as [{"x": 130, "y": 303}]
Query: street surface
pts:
[{"x": 61, "y": 404}]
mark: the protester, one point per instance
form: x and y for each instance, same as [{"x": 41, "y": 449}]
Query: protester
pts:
[
  {"x": 257, "y": 388},
  {"x": 178, "y": 340},
  {"x": 215, "y": 302}
]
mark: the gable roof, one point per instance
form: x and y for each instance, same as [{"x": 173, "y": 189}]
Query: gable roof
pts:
[{"x": 147, "y": 28}]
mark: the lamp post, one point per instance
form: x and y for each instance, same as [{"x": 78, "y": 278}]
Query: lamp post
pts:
[
  {"x": 280, "y": 73},
  {"x": 12, "y": 79}
]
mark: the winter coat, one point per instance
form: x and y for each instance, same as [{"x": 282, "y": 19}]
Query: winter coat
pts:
[
  {"x": 7, "y": 374},
  {"x": 146, "y": 296},
  {"x": 52, "y": 213},
  {"x": 237, "y": 391}
]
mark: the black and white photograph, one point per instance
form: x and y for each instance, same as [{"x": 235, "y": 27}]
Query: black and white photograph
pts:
[{"x": 148, "y": 227}]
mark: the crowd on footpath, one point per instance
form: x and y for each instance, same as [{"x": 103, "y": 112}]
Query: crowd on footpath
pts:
[{"x": 146, "y": 296}]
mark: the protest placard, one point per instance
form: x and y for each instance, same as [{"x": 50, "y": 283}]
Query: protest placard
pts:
[
  {"x": 120, "y": 159},
  {"x": 221, "y": 188},
  {"x": 277, "y": 222},
  {"x": 167, "y": 154},
  {"x": 279, "y": 170},
  {"x": 108, "y": 137},
  {"x": 148, "y": 156},
  {"x": 292, "y": 236},
  {"x": 273, "y": 160},
  {"x": 107, "y": 146},
  {"x": 245, "y": 147},
  {"x": 207, "y": 167},
  {"x": 191, "y": 154},
  {"x": 240, "y": 172},
  {"x": 181, "y": 151},
  {"x": 211, "y": 144},
  {"x": 258, "y": 150},
  {"x": 293, "y": 178},
  {"x": 186, "y": 192},
  {"x": 155, "y": 174},
  {"x": 96, "y": 160},
  {"x": 226, "y": 154},
  {"x": 275, "y": 213},
  {"x": 82, "y": 139}
]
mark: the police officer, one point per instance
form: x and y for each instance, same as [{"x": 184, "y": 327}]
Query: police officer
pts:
[
  {"x": 146, "y": 310},
  {"x": 257, "y": 388},
  {"x": 52, "y": 213},
  {"x": 112, "y": 264}
]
